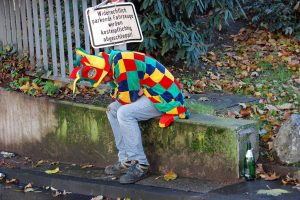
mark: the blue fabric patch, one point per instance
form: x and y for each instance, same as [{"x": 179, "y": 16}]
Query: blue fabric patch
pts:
[
  {"x": 167, "y": 96},
  {"x": 160, "y": 67},
  {"x": 179, "y": 98},
  {"x": 134, "y": 95},
  {"x": 123, "y": 86},
  {"x": 141, "y": 74},
  {"x": 149, "y": 69},
  {"x": 117, "y": 58},
  {"x": 151, "y": 92}
]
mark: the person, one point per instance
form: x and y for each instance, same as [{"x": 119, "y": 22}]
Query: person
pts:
[{"x": 143, "y": 89}]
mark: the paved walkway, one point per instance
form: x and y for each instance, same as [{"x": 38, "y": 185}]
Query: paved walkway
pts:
[{"x": 91, "y": 182}]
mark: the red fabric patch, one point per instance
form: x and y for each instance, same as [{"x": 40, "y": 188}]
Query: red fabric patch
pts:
[
  {"x": 149, "y": 82},
  {"x": 129, "y": 65},
  {"x": 107, "y": 65},
  {"x": 181, "y": 109},
  {"x": 153, "y": 100},
  {"x": 176, "y": 82},
  {"x": 166, "y": 120},
  {"x": 74, "y": 72},
  {"x": 166, "y": 82},
  {"x": 122, "y": 77},
  {"x": 84, "y": 60},
  {"x": 122, "y": 102},
  {"x": 139, "y": 57},
  {"x": 85, "y": 73}
]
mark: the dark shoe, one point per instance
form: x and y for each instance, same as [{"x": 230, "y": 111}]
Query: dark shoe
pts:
[
  {"x": 135, "y": 173},
  {"x": 118, "y": 168}
]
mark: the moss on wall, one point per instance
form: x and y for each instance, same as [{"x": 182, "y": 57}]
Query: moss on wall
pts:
[
  {"x": 86, "y": 128},
  {"x": 191, "y": 138}
]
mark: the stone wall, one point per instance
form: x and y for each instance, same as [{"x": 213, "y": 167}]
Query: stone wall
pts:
[{"x": 204, "y": 146}]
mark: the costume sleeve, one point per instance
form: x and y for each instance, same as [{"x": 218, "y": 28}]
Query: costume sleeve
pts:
[
  {"x": 114, "y": 90},
  {"x": 127, "y": 81}
]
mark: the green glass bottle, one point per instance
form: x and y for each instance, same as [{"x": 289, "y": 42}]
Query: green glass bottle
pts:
[{"x": 249, "y": 164}]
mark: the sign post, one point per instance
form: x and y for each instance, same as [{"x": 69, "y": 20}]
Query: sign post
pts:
[{"x": 113, "y": 24}]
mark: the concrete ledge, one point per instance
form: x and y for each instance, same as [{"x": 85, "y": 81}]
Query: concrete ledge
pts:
[{"x": 205, "y": 146}]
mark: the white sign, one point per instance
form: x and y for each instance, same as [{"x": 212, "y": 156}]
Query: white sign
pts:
[{"x": 113, "y": 24}]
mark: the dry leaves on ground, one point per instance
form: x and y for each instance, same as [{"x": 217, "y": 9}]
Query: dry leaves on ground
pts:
[{"x": 170, "y": 175}]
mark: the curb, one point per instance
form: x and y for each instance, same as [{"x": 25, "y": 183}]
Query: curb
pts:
[{"x": 112, "y": 189}]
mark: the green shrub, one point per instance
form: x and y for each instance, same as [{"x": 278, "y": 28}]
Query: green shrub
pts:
[
  {"x": 276, "y": 15},
  {"x": 50, "y": 88},
  {"x": 173, "y": 26}
]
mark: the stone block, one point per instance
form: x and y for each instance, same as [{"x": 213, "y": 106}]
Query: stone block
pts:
[
  {"x": 287, "y": 141},
  {"x": 205, "y": 146}
]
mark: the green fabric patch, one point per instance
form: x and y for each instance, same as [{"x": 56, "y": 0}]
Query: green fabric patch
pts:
[{"x": 133, "y": 80}]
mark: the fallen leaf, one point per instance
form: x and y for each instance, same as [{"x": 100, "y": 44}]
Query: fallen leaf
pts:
[
  {"x": 203, "y": 99},
  {"x": 24, "y": 88},
  {"x": 290, "y": 180},
  {"x": 285, "y": 106},
  {"x": 270, "y": 177},
  {"x": 271, "y": 107},
  {"x": 297, "y": 186},
  {"x": 270, "y": 145},
  {"x": 86, "y": 166},
  {"x": 36, "y": 87},
  {"x": 40, "y": 162},
  {"x": 243, "y": 105},
  {"x": 100, "y": 197},
  {"x": 55, "y": 163},
  {"x": 29, "y": 190},
  {"x": 273, "y": 192},
  {"x": 59, "y": 84},
  {"x": 52, "y": 171},
  {"x": 245, "y": 112},
  {"x": 12, "y": 181},
  {"x": 260, "y": 169},
  {"x": 170, "y": 175},
  {"x": 234, "y": 114},
  {"x": 29, "y": 185}
]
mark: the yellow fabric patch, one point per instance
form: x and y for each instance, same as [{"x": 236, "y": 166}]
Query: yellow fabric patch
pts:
[
  {"x": 174, "y": 111},
  {"x": 156, "y": 76},
  {"x": 182, "y": 115},
  {"x": 162, "y": 125},
  {"x": 169, "y": 75},
  {"x": 121, "y": 66},
  {"x": 96, "y": 62},
  {"x": 114, "y": 95},
  {"x": 146, "y": 76},
  {"x": 104, "y": 73},
  {"x": 146, "y": 93},
  {"x": 79, "y": 52},
  {"x": 139, "y": 53},
  {"x": 124, "y": 96},
  {"x": 100, "y": 54},
  {"x": 127, "y": 55},
  {"x": 157, "y": 98}
]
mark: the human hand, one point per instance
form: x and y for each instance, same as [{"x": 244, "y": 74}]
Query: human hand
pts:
[{"x": 141, "y": 92}]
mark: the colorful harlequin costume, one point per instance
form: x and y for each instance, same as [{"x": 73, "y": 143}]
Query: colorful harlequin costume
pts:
[{"x": 131, "y": 72}]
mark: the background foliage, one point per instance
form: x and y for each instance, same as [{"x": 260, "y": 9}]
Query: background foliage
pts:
[
  {"x": 276, "y": 15},
  {"x": 179, "y": 26}
]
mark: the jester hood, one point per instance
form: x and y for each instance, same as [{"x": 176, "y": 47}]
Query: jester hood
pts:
[
  {"x": 132, "y": 72},
  {"x": 91, "y": 68}
]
